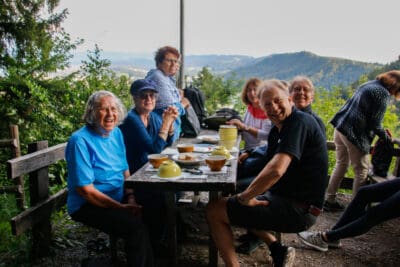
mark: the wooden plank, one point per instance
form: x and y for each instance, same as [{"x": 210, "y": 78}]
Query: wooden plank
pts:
[
  {"x": 31, "y": 216},
  {"x": 34, "y": 161},
  {"x": 8, "y": 143}
]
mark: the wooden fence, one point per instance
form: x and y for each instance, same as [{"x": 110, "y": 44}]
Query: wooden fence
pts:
[{"x": 14, "y": 144}]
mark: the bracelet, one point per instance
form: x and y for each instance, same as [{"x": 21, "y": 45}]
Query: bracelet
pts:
[{"x": 171, "y": 132}]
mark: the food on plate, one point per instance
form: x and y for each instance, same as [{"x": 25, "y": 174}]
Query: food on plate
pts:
[{"x": 186, "y": 157}]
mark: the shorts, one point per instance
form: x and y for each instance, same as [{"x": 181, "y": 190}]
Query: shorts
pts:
[{"x": 281, "y": 215}]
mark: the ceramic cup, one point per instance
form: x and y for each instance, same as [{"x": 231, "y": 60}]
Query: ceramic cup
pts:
[
  {"x": 156, "y": 159},
  {"x": 183, "y": 148},
  {"x": 215, "y": 162}
]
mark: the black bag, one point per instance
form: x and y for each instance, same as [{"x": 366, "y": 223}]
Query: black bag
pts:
[
  {"x": 197, "y": 100},
  {"x": 381, "y": 156},
  {"x": 220, "y": 117},
  {"x": 190, "y": 126}
]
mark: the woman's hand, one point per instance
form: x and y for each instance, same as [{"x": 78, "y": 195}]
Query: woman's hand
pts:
[
  {"x": 240, "y": 125},
  {"x": 170, "y": 114},
  {"x": 243, "y": 157}
]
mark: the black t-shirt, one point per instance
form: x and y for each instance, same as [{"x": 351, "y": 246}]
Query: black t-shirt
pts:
[{"x": 307, "y": 175}]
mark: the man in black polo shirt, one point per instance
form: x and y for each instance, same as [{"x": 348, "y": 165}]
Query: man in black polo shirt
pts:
[{"x": 287, "y": 195}]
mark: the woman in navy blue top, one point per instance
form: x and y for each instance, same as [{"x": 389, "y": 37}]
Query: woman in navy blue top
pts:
[{"x": 146, "y": 132}]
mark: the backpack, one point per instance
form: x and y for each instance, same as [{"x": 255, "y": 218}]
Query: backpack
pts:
[
  {"x": 220, "y": 117},
  {"x": 190, "y": 125},
  {"x": 381, "y": 156},
  {"x": 197, "y": 100}
]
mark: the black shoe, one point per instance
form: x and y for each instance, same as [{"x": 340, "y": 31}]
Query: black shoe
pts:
[
  {"x": 285, "y": 258},
  {"x": 332, "y": 206}
]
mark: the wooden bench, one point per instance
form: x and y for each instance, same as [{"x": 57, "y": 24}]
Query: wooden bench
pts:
[{"x": 37, "y": 217}]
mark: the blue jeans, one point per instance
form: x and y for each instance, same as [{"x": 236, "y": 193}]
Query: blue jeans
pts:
[
  {"x": 251, "y": 167},
  {"x": 122, "y": 224},
  {"x": 358, "y": 219}
]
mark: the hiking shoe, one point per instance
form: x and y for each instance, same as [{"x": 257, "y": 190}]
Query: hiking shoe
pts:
[
  {"x": 332, "y": 206},
  {"x": 285, "y": 259},
  {"x": 314, "y": 240}
]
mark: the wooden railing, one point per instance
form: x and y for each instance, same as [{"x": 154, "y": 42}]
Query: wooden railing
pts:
[
  {"x": 37, "y": 217},
  {"x": 18, "y": 188}
]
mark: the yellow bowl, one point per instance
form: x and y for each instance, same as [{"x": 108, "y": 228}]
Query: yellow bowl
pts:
[
  {"x": 222, "y": 151},
  {"x": 156, "y": 159},
  {"x": 169, "y": 169}
]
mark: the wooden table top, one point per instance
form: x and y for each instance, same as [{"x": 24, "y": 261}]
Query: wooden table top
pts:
[{"x": 222, "y": 182}]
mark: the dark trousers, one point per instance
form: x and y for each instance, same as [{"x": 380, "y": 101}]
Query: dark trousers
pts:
[
  {"x": 122, "y": 224},
  {"x": 251, "y": 167},
  {"x": 358, "y": 219}
]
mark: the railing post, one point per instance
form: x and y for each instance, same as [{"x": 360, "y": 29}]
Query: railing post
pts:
[
  {"x": 19, "y": 182},
  {"x": 39, "y": 190}
]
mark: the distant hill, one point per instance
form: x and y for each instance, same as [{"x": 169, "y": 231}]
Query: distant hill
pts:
[{"x": 323, "y": 71}]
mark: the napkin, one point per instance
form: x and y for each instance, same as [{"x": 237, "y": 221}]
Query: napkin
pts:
[
  {"x": 207, "y": 170},
  {"x": 150, "y": 168}
]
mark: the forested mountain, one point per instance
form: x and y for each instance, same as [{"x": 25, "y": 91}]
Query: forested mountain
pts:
[{"x": 323, "y": 71}]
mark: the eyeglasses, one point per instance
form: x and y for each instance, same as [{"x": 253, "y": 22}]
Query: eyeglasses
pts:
[
  {"x": 172, "y": 61},
  {"x": 151, "y": 95},
  {"x": 298, "y": 89}
]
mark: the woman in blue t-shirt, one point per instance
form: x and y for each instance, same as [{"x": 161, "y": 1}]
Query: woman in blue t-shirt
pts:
[{"x": 97, "y": 168}]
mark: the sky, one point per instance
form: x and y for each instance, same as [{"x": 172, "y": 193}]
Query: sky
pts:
[{"x": 363, "y": 30}]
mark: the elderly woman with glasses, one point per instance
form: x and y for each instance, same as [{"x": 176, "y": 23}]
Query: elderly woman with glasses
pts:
[
  {"x": 167, "y": 60},
  {"x": 97, "y": 167},
  {"x": 146, "y": 132}
]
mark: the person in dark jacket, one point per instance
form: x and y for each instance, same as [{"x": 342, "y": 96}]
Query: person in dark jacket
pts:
[{"x": 356, "y": 125}]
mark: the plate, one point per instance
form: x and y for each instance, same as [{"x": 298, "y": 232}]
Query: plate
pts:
[
  {"x": 197, "y": 158},
  {"x": 166, "y": 179},
  {"x": 211, "y": 139},
  {"x": 203, "y": 148}
]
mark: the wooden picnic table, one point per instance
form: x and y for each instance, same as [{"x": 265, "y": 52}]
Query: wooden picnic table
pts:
[{"x": 214, "y": 184}]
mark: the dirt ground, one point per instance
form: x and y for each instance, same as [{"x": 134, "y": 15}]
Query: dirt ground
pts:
[{"x": 379, "y": 247}]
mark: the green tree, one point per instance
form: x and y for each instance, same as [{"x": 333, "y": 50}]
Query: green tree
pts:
[
  {"x": 219, "y": 92},
  {"x": 33, "y": 46}
]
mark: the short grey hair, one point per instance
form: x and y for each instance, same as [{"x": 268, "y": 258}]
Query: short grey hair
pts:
[
  {"x": 273, "y": 83},
  {"x": 89, "y": 117}
]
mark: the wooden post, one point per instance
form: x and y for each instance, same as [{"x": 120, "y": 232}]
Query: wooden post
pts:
[
  {"x": 19, "y": 181},
  {"x": 181, "y": 78},
  {"x": 39, "y": 190}
]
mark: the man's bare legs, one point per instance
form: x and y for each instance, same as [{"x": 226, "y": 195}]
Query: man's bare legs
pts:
[
  {"x": 222, "y": 235},
  {"x": 221, "y": 231}
]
